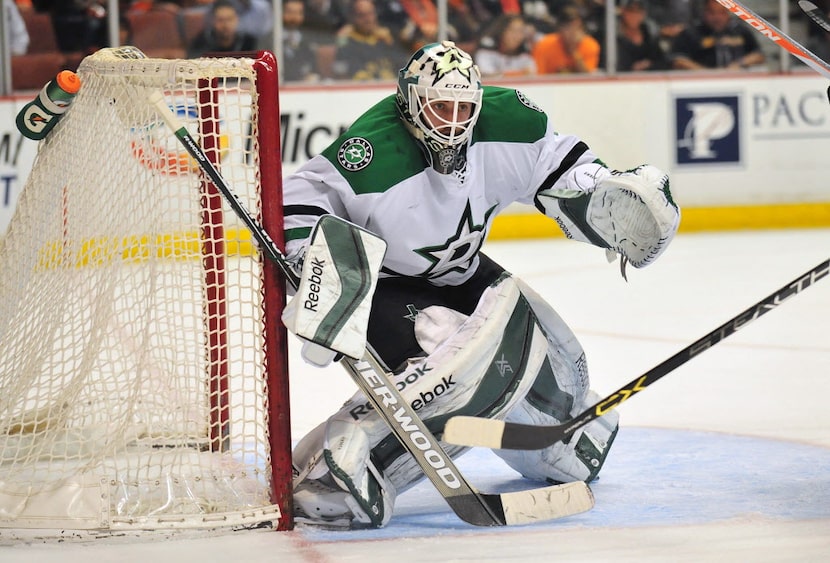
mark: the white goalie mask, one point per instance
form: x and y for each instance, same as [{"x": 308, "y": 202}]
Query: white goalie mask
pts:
[{"x": 439, "y": 97}]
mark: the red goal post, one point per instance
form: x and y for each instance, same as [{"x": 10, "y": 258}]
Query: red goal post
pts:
[{"x": 143, "y": 363}]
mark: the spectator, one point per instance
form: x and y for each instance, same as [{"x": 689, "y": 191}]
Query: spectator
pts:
[
  {"x": 537, "y": 13},
  {"x": 365, "y": 49},
  {"x": 717, "y": 41},
  {"x": 421, "y": 25},
  {"x": 592, "y": 13},
  {"x": 415, "y": 22},
  {"x": 503, "y": 50},
  {"x": 18, "y": 34},
  {"x": 142, "y": 6},
  {"x": 298, "y": 53},
  {"x": 80, "y": 25},
  {"x": 468, "y": 18},
  {"x": 638, "y": 46},
  {"x": 570, "y": 49},
  {"x": 325, "y": 16},
  {"x": 672, "y": 17},
  {"x": 222, "y": 35},
  {"x": 256, "y": 17}
]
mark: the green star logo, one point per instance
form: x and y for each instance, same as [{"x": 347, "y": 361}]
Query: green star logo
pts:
[
  {"x": 355, "y": 154},
  {"x": 458, "y": 252},
  {"x": 451, "y": 60}
]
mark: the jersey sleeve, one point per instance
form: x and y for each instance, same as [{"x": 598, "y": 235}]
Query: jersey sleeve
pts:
[
  {"x": 316, "y": 189},
  {"x": 565, "y": 175},
  {"x": 556, "y": 173},
  {"x": 347, "y": 177}
]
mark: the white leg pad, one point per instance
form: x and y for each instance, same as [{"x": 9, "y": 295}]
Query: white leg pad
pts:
[{"x": 580, "y": 459}]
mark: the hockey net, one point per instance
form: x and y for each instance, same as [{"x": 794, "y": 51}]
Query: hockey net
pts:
[{"x": 142, "y": 362}]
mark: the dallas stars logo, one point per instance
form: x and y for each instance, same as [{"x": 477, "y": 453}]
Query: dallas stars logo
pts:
[
  {"x": 355, "y": 154},
  {"x": 528, "y": 102},
  {"x": 412, "y": 312},
  {"x": 451, "y": 60},
  {"x": 458, "y": 252}
]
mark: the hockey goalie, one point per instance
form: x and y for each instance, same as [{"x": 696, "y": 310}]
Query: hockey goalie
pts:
[{"x": 427, "y": 170}]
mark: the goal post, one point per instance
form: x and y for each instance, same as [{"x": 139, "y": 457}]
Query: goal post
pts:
[{"x": 143, "y": 363}]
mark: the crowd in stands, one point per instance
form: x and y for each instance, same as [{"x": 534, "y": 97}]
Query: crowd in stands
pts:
[{"x": 363, "y": 40}]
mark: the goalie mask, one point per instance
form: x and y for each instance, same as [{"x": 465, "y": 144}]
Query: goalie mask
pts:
[{"x": 439, "y": 98}]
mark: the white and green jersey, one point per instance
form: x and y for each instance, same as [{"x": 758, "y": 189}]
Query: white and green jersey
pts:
[{"x": 376, "y": 176}]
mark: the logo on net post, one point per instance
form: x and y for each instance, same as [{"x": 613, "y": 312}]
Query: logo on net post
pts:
[{"x": 707, "y": 130}]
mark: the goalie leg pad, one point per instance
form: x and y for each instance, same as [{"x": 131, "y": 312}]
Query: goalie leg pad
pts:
[
  {"x": 565, "y": 355},
  {"x": 560, "y": 392},
  {"x": 486, "y": 362},
  {"x": 578, "y": 459},
  {"x": 339, "y": 485},
  {"x": 481, "y": 365}
]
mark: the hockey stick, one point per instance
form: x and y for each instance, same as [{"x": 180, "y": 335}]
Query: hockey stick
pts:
[
  {"x": 472, "y": 506},
  {"x": 471, "y": 431},
  {"x": 815, "y": 14},
  {"x": 777, "y": 36}
]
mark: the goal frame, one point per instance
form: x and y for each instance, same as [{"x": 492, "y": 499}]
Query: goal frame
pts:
[
  {"x": 276, "y": 336},
  {"x": 274, "y": 345}
]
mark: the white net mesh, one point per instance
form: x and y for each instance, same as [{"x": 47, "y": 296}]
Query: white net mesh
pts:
[{"x": 132, "y": 387}]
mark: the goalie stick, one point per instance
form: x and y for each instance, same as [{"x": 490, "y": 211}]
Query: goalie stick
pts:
[
  {"x": 471, "y": 505},
  {"x": 819, "y": 17},
  {"x": 815, "y": 14},
  {"x": 471, "y": 431},
  {"x": 777, "y": 36}
]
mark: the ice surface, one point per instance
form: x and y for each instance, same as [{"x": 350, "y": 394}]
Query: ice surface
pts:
[{"x": 725, "y": 459}]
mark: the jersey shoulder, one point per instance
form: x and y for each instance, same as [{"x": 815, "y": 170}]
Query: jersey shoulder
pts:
[
  {"x": 376, "y": 152},
  {"x": 509, "y": 116}
]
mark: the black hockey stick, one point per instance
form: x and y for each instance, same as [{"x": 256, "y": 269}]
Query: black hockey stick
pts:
[
  {"x": 472, "y": 506},
  {"x": 777, "y": 36},
  {"x": 819, "y": 17},
  {"x": 815, "y": 14},
  {"x": 471, "y": 431}
]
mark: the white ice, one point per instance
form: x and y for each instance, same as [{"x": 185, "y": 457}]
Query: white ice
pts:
[{"x": 727, "y": 458}]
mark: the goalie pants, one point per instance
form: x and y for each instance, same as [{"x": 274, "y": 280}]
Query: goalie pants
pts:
[{"x": 397, "y": 301}]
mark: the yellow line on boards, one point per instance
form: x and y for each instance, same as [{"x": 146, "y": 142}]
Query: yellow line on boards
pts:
[
  {"x": 694, "y": 219},
  {"x": 513, "y": 226}
]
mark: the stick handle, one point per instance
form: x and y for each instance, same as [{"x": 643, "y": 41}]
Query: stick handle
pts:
[
  {"x": 777, "y": 36},
  {"x": 264, "y": 240}
]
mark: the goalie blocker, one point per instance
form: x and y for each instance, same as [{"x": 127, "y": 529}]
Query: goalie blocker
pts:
[{"x": 330, "y": 310}]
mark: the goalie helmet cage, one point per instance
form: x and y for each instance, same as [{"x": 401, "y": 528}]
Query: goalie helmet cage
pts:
[{"x": 143, "y": 364}]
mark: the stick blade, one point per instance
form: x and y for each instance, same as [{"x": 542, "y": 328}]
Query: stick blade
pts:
[
  {"x": 474, "y": 432},
  {"x": 524, "y": 507},
  {"x": 547, "y": 503}
]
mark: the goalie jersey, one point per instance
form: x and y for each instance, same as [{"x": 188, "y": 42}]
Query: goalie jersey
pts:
[{"x": 376, "y": 176}]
